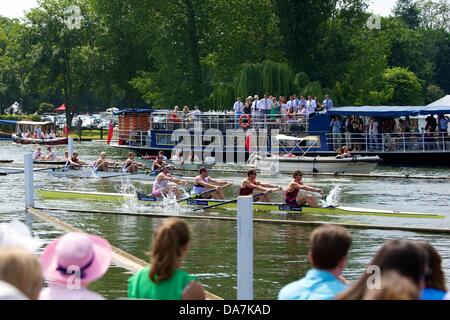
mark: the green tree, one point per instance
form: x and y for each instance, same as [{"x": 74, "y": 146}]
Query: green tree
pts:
[
  {"x": 406, "y": 87},
  {"x": 409, "y": 12}
]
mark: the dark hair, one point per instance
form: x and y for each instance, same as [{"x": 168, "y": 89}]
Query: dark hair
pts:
[
  {"x": 435, "y": 277},
  {"x": 328, "y": 245},
  {"x": 250, "y": 172},
  {"x": 202, "y": 169},
  {"x": 405, "y": 257},
  {"x": 168, "y": 243},
  {"x": 297, "y": 173},
  {"x": 161, "y": 152},
  {"x": 131, "y": 153}
]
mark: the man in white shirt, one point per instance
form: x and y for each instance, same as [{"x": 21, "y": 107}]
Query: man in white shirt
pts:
[
  {"x": 311, "y": 105},
  {"x": 327, "y": 103},
  {"x": 265, "y": 105},
  {"x": 292, "y": 104},
  {"x": 373, "y": 133},
  {"x": 238, "y": 108}
]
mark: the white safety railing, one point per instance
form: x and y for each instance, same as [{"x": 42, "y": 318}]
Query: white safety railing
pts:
[{"x": 391, "y": 142}]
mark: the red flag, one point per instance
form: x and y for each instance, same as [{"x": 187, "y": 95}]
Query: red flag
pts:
[
  {"x": 66, "y": 130},
  {"x": 248, "y": 142},
  {"x": 110, "y": 132}
]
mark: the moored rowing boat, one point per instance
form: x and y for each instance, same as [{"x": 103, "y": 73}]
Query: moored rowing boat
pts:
[{"x": 258, "y": 206}]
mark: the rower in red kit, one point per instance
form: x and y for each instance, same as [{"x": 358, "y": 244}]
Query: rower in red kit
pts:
[
  {"x": 293, "y": 199},
  {"x": 250, "y": 184}
]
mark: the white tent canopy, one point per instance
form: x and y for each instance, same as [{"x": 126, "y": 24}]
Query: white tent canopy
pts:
[
  {"x": 445, "y": 101},
  {"x": 287, "y": 138}
]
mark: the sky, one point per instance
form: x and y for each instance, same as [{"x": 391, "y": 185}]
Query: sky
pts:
[{"x": 15, "y": 8}]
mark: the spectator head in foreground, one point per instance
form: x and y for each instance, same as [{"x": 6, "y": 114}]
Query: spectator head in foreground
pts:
[
  {"x": 165, "y": 280},
  {"x": 404, "y": 257},
  {"x": 435, "y": 288},
  {"x": 393, "y": 287},
  {"x": 71, "y": 263},
  {"x": 20, "y": 269},
  {"x": 329, "y": 245}
]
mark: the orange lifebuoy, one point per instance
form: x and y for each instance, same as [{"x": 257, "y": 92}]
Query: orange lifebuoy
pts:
[{"x": 246, "y": 124}]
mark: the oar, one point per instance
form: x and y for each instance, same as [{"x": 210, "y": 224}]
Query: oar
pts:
[
  {"x": 204, "y": 193},
  {"x": 227, "y": 202}
]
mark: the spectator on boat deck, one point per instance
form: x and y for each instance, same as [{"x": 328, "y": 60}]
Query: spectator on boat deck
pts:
[
  {"x": 404, "y": 257},
  {"x": 292, "y": 104},
  {"x": 165, "y": 280},
  {"x": 256, "y": 112},
  {"x": 51, "y": 154},
  {"x": 373, "y": 133},
  {"x": 329, "y": 245},
  {"x": 283, "y": 104},
  {"x": 37, "y": 155},
  {"x": 248, "y": 106},
  {"x": 435, "y": 288},
  {"x": 265, "y": 105},
  {"x": 319, "y": 106},
  {"x": 310, "y": 105},
  {"x": 20, "y": 268},
  {"x": 443, "y": 123},
  {"x": 336, "y": 131},
  {"x": 431, "y": 123},
  {"x": 238, "y": 108},
  {"x": 302, "y": 102},
  {"x": 71, "y": 262},
  {"x": 327, "y": 103},
  {"x": 393, "y": 287}
]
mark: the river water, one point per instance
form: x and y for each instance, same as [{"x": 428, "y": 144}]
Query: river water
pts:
[{"x": 280, "y": 251}]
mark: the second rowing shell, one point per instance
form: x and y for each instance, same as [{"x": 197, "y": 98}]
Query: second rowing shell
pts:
[{"x": 258, "y": 206}]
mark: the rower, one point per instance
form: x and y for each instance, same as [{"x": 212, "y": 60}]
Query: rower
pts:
[
  {"x": 37, "y": 155},
  {"x": 162, "y": 186},
  {"x": 102, "y": 164},
  {"x": 293, "y": 199},
  {"x": 51, "y": 155},
  {"x": 250, "y": 184},
  {"x": 130, "y": 165},
  {"x": 74, "y": 162},
  {"x": 161, "y": 153},
  {"x": 203, "y": 182},
  {"x": 159, "y": 163}
]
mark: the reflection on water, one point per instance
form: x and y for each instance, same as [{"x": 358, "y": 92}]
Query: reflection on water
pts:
[{"x": 280, "y": 251}]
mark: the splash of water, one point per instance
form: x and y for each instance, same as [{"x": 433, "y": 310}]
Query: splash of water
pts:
[{"x": 334, "y": 196}]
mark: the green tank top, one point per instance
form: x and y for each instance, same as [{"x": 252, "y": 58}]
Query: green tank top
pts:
[{"x": 141, "y": 287}]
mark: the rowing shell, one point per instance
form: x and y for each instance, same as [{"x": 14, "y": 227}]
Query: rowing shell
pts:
[{"x": 258, "y": 206}]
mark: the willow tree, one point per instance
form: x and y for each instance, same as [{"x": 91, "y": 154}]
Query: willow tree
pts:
[
  {"x": 269, "y": 77},
  {"x": 223, "y": 96}
]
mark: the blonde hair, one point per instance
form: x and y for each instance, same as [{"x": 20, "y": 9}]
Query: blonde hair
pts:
[
  {"x": 21, "y": 269},
  {"x": 393, "y": 287},
  {"x": 168, "y": 246}
]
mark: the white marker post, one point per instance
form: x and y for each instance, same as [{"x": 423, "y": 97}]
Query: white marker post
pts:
[
  {"x": 245, "y": 248},
  {"x": 70, "y": 146},
  {"x": 29, "y": 187}
]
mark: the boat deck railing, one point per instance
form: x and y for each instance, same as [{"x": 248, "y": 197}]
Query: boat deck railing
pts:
[
  {"x": 225, "y": 121},
  {"x": 391, "y": 142}
]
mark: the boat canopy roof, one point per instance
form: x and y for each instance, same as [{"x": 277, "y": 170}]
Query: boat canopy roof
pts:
[
  {"x": 34, "y": 123},
  {"x": 288, "y": 138},
  {"x": 389, "y": 111},
  {"x": 8, "y": 121}
]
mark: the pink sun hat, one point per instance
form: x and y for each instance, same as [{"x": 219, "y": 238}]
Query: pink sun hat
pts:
[{"x": 88, "y": 254}]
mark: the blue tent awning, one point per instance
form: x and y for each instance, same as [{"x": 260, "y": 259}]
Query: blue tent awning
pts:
[
  {"x": 389, "y": 111},
  {"x": 8, "y": 121}
]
